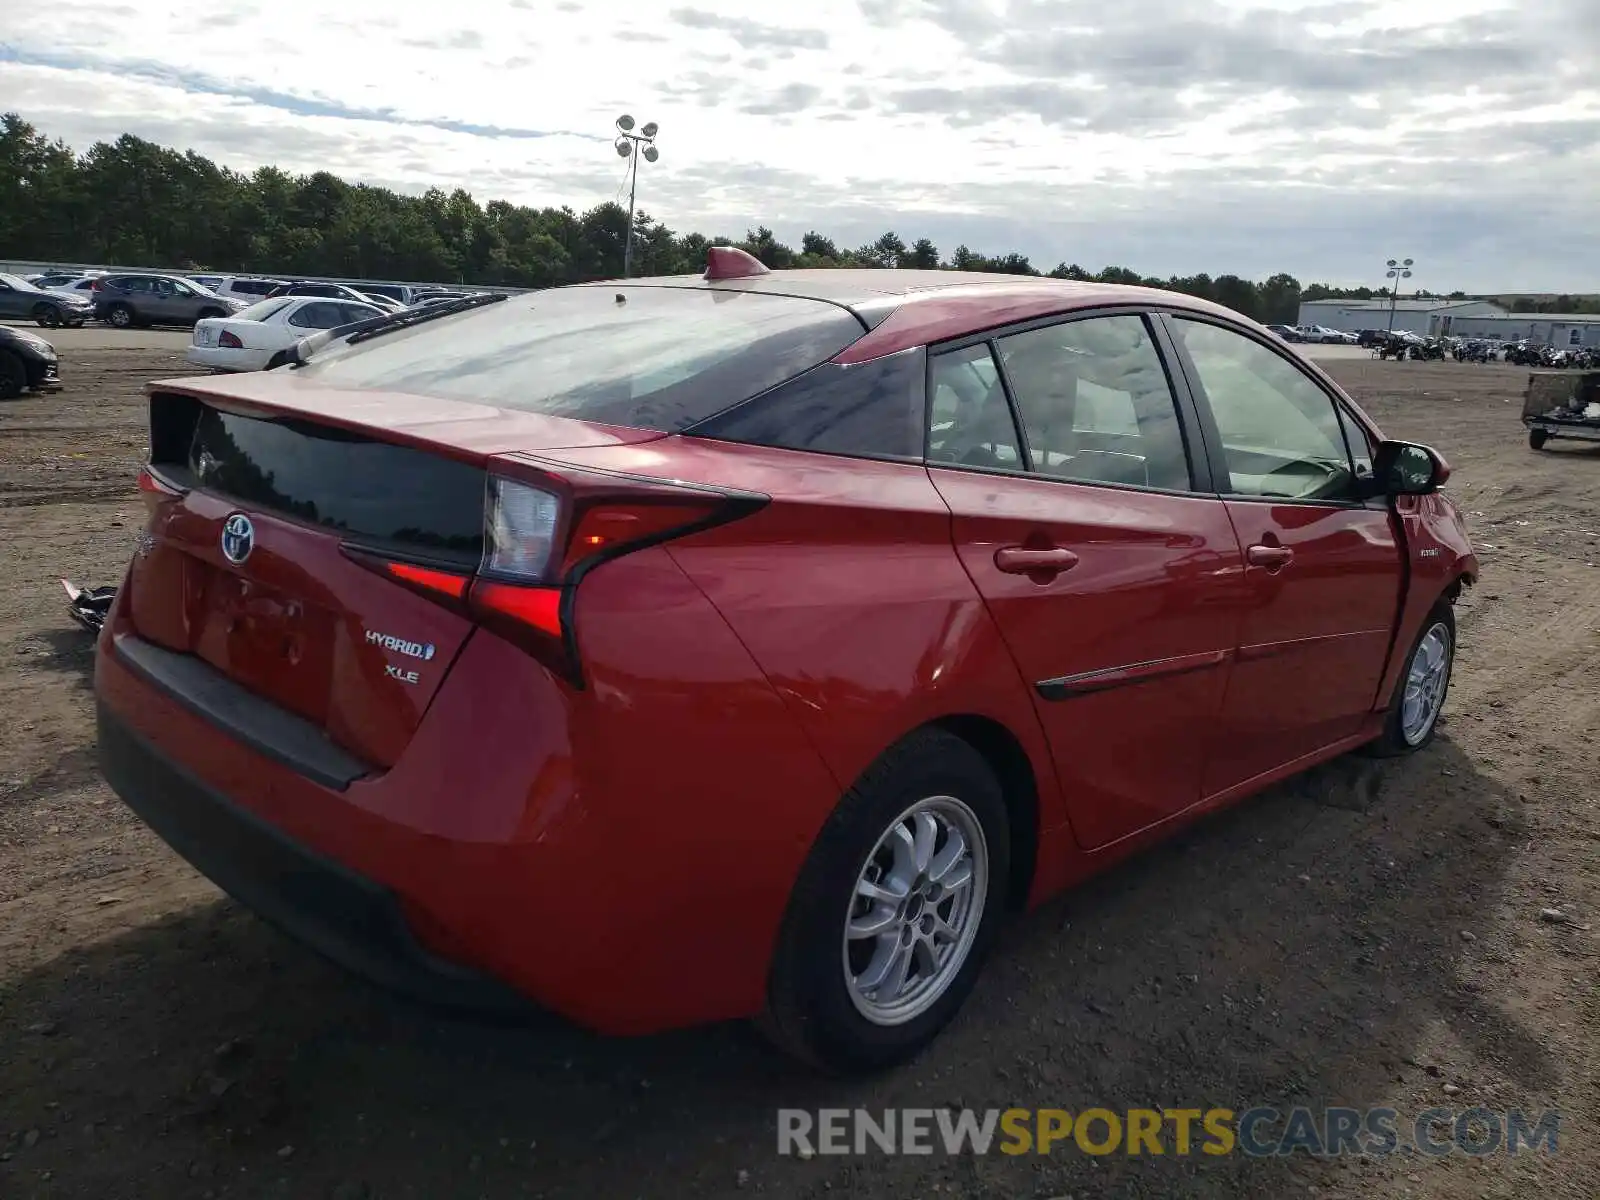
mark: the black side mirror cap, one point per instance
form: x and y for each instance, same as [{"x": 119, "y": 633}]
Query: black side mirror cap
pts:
[{"x": 1408, "y": 469}]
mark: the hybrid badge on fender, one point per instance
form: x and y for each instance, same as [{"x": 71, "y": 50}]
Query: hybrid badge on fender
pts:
[{"x": 422, "y": 650}]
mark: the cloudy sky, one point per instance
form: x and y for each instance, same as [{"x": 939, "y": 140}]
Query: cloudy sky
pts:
[{"x": 1171, "y": 136}]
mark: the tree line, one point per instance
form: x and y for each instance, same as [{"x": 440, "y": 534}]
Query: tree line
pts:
[{"x": 133, "y": 202}]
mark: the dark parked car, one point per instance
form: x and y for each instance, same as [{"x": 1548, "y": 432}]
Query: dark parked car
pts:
[
  {"x": 424, "y": 296},
  {"x": 672, "y": 650},
  {"x": 128, "y": 300},
  {"x": 27, "y": 362},
  {"x": 1287, "y": 332},
  {"x": 23, "y": 301}
]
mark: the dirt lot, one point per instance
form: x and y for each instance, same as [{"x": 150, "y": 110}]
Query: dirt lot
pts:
[{"x": 1365, "y": 936}]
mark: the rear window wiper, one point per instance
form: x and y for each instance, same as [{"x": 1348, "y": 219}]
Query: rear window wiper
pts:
[{"x": 359, "y": 331}]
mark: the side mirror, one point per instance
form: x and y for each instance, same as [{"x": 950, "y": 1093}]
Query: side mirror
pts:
[{"x": 1408, "y": 469}]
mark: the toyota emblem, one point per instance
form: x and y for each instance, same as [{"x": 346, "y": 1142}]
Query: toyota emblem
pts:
[{"x": 238, "y": 538}]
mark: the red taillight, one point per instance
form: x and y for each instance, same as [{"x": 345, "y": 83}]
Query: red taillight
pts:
[
  {"x": 545, "y": 527},
  {"x": 94, "y": 285},
  {"x": 428, "y": 581},
  {"x": 152, "y": 484},
  {"x": 156, "y": 491},
  {"x": 229, "y": 340},
  {"x": 537, "y": 608}
]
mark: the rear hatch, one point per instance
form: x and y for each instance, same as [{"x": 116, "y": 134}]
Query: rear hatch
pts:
[
  {"x": 255, "y": 562},
  {"x": 273, "y": 494}
]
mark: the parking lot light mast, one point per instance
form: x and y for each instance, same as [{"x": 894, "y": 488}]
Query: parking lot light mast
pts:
[
  {"x": 631, "y": 145},
  {"x": 1397, "y": 271}
]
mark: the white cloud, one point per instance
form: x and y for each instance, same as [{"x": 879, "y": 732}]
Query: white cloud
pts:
[{"x": 1167, "y": 135}]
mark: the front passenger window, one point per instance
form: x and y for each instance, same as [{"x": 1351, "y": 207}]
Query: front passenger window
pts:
[{"x": 1281, "y": 435}]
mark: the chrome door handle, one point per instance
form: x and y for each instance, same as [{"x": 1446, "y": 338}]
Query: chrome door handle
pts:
[{"x": 1273, "y": 558}]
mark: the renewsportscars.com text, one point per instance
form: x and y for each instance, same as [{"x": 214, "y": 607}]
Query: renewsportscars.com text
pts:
[{"x": 1257, "y": 1132}]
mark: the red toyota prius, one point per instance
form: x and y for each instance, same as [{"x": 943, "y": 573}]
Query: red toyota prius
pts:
[{"x": 749, "y": 644}]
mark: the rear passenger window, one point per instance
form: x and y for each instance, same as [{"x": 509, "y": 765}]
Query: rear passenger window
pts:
[
  {"x": 969, "y": 421},
  {"x": 1095, "y": 403},
  {"x": 318, "y": 315}
]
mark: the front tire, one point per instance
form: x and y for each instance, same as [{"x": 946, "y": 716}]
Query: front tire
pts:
[
  {"x": 1537, "y": 438},
  {"x": 895, "y": 909},
  {"x": 13, "y": 376},
  {"x": 1419, "y": 693},
  {"x": 47, "y": 316}
]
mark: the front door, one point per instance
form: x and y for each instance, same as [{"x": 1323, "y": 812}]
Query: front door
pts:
[
  {"x": 1323, "y": 565},
  {"x": 1117, "y": 586}
]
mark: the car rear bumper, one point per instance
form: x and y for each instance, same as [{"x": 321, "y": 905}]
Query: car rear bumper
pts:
[
  {"x": 618, "y": 856},
  {"x": 226, "y": 358},
  {"x": 347, "y": 917}
]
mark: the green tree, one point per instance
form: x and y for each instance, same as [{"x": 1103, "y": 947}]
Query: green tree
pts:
[{"x": 133, "y": 203}]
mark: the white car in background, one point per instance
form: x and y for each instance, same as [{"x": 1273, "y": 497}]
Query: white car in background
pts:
[
  {"x": 81, "y": 286},
  {"x": 246, "y": 340}
]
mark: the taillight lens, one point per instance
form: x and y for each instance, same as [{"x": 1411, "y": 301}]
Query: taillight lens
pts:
[
  {"x": 520, "y": 530},
  {"x": 541, "y": 537},
  {"x": 229, "y": 340}
]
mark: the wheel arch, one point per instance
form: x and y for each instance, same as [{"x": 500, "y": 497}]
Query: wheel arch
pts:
[{"x": 1009, "y": 760}]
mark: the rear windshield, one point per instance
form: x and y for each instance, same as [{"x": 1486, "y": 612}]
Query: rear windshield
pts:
[
  {"x": 660, "y": 358},
  {"x": 262, "y": 309},
  {"x": 341, "y": 480}
]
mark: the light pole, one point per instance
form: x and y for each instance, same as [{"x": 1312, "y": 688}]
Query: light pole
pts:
[
  {"x": 631, "y": 145},
  {"x": 1397, "y": 271}
]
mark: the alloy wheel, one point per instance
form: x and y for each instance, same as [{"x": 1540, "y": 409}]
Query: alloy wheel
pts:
[
  {"x": 1427, "y": 676},
  {"x": 917, "y": 906}
]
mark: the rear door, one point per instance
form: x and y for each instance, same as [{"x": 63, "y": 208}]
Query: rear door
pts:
[
  {"x": 172, "y": 302},
  {"x": 1063, "y": 452},
  {"x": 1324, "y": 566}
]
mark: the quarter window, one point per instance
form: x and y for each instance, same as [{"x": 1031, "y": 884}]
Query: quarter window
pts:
[
  {"x": 1281, "y": 433},
  {"x": 1095, "y": 403},
  {"x": 1355, "y": 436}
]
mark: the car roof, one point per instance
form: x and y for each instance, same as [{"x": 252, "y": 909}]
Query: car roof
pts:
[{"x": 904, "y": 308}]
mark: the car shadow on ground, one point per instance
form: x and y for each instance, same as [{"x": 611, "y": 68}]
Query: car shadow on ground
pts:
[
  {"x": 1292, "y": 951},
  {"x": 71, "y": 651}
]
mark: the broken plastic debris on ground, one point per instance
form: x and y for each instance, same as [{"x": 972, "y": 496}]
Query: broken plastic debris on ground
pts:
[{"x": 88, "y": 606}]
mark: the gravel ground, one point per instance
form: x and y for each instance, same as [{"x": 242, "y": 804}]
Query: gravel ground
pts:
[{"x": 1366, "y": 935}]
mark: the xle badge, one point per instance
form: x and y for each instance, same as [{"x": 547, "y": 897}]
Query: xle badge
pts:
[{"x": 394, "y": 672}]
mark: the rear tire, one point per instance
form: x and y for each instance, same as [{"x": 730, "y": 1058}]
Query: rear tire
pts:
[
  {"x": 932, "y": 798},
  {"x": 13, "y": 376},
  {"x": 120, "y": 316},
  {"x": 1537, "y": 438},
  {"x": 1424, "y": 681}
]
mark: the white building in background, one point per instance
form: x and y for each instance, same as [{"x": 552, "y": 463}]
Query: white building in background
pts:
[
  {"x": 1424, "y": 317},
  {"x": 1562, "y": 330}
]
